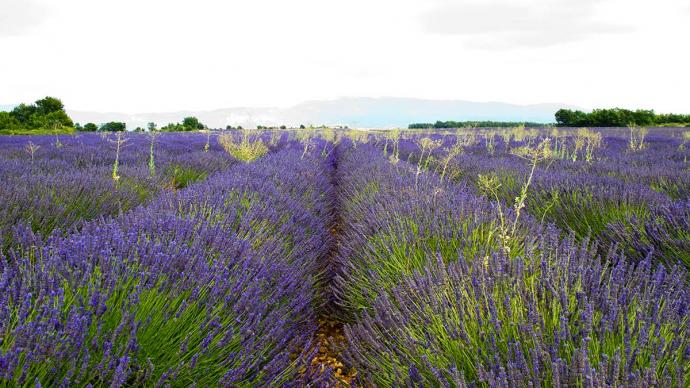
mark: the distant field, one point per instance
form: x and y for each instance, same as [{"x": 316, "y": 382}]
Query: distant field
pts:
[{"x": 455, "y": 257}]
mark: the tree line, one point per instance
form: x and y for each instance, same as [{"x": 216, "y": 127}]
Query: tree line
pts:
[
  {"x": 190, "y": 123},
  {"x": 474, "y": 124},
  {"x": 45, "y": 114},
  {"x": 48, "y": 115},
  {"x": 617, "y": 117}
]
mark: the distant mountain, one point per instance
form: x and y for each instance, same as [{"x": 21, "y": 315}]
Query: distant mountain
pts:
[
  {"x": 385, "y": 112},
  {"x": 399, "y": 112},
  {"x": 6, "y": 108}
]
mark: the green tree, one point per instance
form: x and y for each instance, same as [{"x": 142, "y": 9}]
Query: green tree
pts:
[
  {"x": 23, "y": 113},
  {"x": 113, "y": 126},
  {"x": 191, "y": 123},
  {"x": 569, "y": 118},
  {"x": 151, "y": 126},
  {"x": 644, "y": 117},
  {"x": 7, "y": 121},
  {"x": 616, "y": 117},
  {"x": 45, "y": 113},
  {"x": 172, "y": 127},
  {"x": 57, "y": 117},
  {"x": 90, "y": 127},
  {"x": 48, "y": 105}
]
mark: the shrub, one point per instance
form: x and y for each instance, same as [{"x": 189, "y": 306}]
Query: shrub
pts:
[{"x": 245, "y": 150}]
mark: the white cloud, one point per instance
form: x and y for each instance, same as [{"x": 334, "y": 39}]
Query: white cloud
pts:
[
  {"x": 169, "y": 55},
  {"x": 18, "y": 17},
  {"x": 510, "y": 24}
]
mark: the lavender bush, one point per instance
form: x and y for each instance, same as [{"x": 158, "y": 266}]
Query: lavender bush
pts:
[
  {"x": 664, "y": 235},
  {"x": 553, "y": 313},
  {"x": 63, "y": 187},
  {"x": 214, "y": 284},
  {"x": 393, "y": 217},
  {"x": 556, "y": 316},
  {"x": 615, "y": 186}
]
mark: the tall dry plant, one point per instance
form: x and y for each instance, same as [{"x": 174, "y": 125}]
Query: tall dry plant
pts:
[
  {"x": 119, "y": 142},
  {"x": 152, "y": 163},
  {"x": 246, "y": 150},
  {"x": 489, "y": 184},
  {"x": 31, "y": 149},
  {"x": 637, "y": 136}
]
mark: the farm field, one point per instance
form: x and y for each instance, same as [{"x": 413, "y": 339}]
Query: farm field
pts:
[{"x": 464, "y": 257}]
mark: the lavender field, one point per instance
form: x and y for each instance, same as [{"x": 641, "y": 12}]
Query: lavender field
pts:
[{"x": 467, "y": 257}]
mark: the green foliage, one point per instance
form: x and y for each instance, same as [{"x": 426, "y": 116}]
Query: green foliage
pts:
[
  {"x": 569, "y": 118},
  {"x": 673, "y": 118},
  {"x": 55, "y": 119},
  {"x": 39, "y": 131},
  {"x": 8, "y": 121},
  {"x": 246, "y": 150},
  {"x": 49, "y": 105},
  {"x": 583, "y": 212},
  {"x": 45, "y": 114},
  {"x": 113, "y": 126},
  {"x": 182, "y": 176},
  {"x": 191, "y": 123},
  {"x": 89, "y": 127},
  {"x": 405, "y": 247},
  {"x": 616, "y": 117},
  {"x": 188, "y": 124}
]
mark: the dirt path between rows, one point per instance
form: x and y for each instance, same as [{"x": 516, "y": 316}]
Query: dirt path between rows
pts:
[{"x": 330, "y": 337}]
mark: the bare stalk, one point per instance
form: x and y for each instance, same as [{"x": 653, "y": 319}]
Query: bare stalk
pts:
[
  {"x": 31, "y": 149},
  {"x": 119, "y": 142},
  {"x": 152, "y": 164}
]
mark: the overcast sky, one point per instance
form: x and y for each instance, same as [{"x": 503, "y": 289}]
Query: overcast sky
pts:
[{"x": 165, "y": 55}]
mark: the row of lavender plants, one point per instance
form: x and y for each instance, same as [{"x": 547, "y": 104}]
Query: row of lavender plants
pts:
[
  {"x": 87, "y": 176},
  {"x": 392, "y": 217},
  {"x": 215, "y": 284},
  {"x": 433, "y": 297},
  {"x": 593, "y": 183}
]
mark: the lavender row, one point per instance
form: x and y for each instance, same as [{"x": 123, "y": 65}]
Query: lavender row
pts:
[
  {"x": 215, "y": 285},
  {"x": 392, "y": 217},
  {"x": 437, "y": 302},
  {"x": 60, "y": 187},
  {"x": 607, "y": 192}
]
